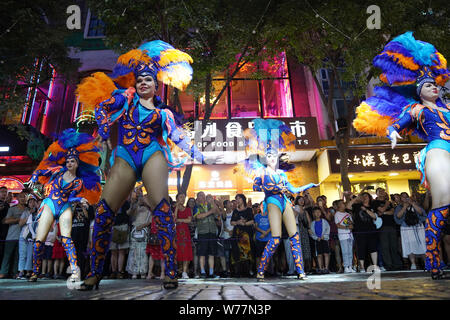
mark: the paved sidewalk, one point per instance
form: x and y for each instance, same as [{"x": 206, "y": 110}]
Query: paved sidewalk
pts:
[{"x": 398, "y": 285}]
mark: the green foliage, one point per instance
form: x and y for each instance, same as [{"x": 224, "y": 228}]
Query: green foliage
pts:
[
  {"x": 214, "y": 32},
  {"x": 35, "y": 148},
  {"x": 31, "y": 30},
  {"x": 333, "y": 34}
]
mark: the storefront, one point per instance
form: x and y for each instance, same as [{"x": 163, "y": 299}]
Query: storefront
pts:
[
  {"x": 373, "y": 166},
  {"x": 226, "y": 179}
]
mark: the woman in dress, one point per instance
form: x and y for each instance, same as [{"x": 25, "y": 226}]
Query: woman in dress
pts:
[
  {"x": 303, "y": 223},
  {"x": 184, "y": 246},
  {"x": 137, "y": 264},
  {"x": 413, "y": 70}
]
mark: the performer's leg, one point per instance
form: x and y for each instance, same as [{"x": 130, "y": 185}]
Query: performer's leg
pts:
[
  {"x": 294, "y": 238},
  {"x": 437, "y": 168},
  {"x": 155, "y": 177},
  {"x": 272, "y": 244},
  {"x": 435, "y": 223},
  {"x": 65, "y": 224},
  {"x": 118, "y": 186},
  {"x": 45, "y": 223}
]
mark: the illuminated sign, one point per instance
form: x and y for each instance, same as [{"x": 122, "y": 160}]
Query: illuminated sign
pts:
[
  {"x": 361, "y": 160},
  {"x": 215, "y": 182},
  {"x": 227, "y": 135}
]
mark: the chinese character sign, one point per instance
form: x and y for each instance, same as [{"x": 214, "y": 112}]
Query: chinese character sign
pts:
[
  {"x": 227, "y": 135},
  {"x": 360, "y": 160}
]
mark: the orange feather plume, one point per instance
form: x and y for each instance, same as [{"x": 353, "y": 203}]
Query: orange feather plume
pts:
[
  {"x": 95, "y": 89},
  {"x": 370, "y": 122},
  {"x": 133, "y": 57}
]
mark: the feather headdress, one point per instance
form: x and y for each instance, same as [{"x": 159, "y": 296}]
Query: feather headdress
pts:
[
  {"x": 267, "y": 136},
  {"x": 158, "y": 58},
  {"x": 406, "y": 63},
  {"x": 81, "y": 146}
]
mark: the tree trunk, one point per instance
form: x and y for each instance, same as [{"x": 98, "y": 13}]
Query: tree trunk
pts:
[
  {"x": 186, "y": 179},
  {"x": 208, "y": 83},
  {"x": 343, "y": 137}
]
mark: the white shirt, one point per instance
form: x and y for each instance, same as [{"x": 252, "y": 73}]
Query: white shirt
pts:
[
  {"x": 340, "y": 218},
  {"x": 228, "y": 226}
]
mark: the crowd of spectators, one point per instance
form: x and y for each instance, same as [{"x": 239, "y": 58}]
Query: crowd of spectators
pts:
[{"x": 226, "y": 239}]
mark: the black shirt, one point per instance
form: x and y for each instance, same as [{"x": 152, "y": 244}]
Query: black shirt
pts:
[
  {"x": 122, "y": 217},
  {"x": 388, "y": 219},
  {"x": 4, "y": 227},
  {"x": 363, "y": 222},
  {"x": 80, "y": 225},
  {"x": 247, "y": 214}
]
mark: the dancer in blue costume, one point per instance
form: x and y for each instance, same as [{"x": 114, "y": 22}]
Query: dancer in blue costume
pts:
[
  {"x": 264, "y": 143},
  {"x": 68, "y": 172},
  {"x": 413, "y": 71},
  {"x": 148, "y": 130}
]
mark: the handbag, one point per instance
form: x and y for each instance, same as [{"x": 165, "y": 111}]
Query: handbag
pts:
[
  {"x": 378, "y": 222},
  {"x": 120, "y": 234},
  {"x": 153, "y": 240},
  {"x": 138, "y": 235}
]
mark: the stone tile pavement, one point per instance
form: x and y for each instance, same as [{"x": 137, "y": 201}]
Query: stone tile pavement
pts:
[{"x": 400, "y": 285}]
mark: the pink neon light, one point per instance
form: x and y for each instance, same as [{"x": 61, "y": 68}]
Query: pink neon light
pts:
[
  {"x": 50, "y": 91},
  {"x": 25, "y": 108},
  {"x": 35, "y": 91},
  {"x": 75, "y": 113}
]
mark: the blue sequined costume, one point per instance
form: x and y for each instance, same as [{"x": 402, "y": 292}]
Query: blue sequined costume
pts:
[
  {"x": 61, "y": 193},
  {"x": 432, "y": 124},
  {"x": 142, "y": 132},
  {"x": 272, "y": 136},
  {"x": 273, "y": 184},
  {"x": 407, "y": 65}
]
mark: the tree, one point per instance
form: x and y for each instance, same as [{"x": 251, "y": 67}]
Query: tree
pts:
[
  {"x": 32, "y": 35},
  {"x": 216, "y": 33},
  {"x": 335, "y": 36}
]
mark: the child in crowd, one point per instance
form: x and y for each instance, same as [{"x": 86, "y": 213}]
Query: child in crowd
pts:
[
  {"x": 344, "y": 224},
  {"x": 320, "y": 232}
]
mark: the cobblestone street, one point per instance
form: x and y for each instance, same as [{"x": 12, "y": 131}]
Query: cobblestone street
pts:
[{"x": 399, "y": 285}]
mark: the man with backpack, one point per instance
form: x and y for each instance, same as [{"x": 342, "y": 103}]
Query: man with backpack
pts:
[{"x": 411, "y": 217}]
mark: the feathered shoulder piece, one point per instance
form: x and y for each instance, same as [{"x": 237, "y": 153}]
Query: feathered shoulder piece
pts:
[
  {"x": 269, "y": 134},
  {"x": 404, "y": 59},
  {"x": 266, "y": 135},
  {"x": 403, "y": 62},
  {"x": 81, "y": 146}
]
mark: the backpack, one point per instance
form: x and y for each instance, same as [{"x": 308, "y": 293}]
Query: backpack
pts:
[{"x": 411, "y": 218}]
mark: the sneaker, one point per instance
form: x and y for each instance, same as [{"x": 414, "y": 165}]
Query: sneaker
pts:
[
  {"x": 134, "y": 277},
  {"x": 196, "y": 276},
  {"x": 362, "y": 271},
  {"x": 382, "y": 269},
  {"x": 203, "y": 275},
  {"x": 347, "y": 270},
  {"x": 21, "y": 276},
  {"x": 184, "y": 275},
  {"x": 413, "y": 267},
  {"x": 213, "y": 276},
  {"x": 325, "y": 271}
]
